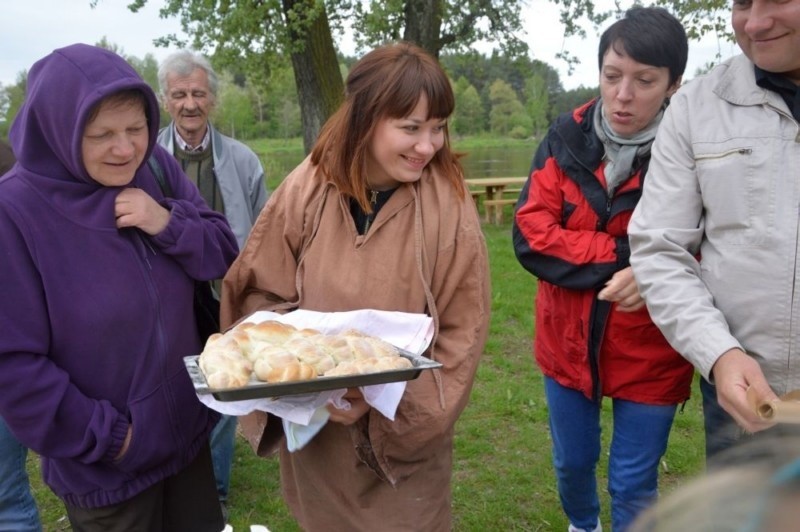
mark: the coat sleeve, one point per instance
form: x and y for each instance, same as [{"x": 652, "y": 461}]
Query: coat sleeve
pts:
[
  {"x": 434, "y": 401},
  {"x": 258, "y": 189},
  {"x": 197, "y": 237},
  {"x": 544, "y": 244},
  {"x": 665, "y": 232}
]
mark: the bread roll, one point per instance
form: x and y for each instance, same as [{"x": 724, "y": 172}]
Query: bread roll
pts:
[
  {"x": 308, "y": 350},
  {"x": 224, "y": 366},
  {"x": 299, "y": 371},
  {"x": 366, "y": 346},
  {"x": 363, "y": 366},
  {"x": 390, "y": 363},
  {"x": 271, "y": 357},
  {"x": 271, "y": 332},
  {"x": 336, "y": 346},
  {"x": 243, "y": 340}
]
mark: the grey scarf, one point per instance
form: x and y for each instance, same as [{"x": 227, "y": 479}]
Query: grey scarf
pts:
[{"x": 622, "y": 151}]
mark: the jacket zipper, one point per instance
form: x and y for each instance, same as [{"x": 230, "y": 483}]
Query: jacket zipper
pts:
[{"x": 710, "y": 156}]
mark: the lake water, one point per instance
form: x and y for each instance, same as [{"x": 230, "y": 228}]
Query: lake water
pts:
[
  {"x": 498, "y": 162},
  {"x": 479, "y": 162}
]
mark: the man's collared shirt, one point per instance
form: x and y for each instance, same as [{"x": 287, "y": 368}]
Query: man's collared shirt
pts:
[{"x": 192, "y": 149}]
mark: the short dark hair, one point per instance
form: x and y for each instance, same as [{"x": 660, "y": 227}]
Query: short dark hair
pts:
[{"x": 651, "y": 36}]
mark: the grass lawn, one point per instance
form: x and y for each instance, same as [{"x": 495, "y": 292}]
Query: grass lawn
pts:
[{"x": 503, "y": 477}]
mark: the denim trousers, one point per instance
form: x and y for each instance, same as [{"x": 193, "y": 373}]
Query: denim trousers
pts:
[
  {"x": 223, "y": 441},
  {"x": 639, "y": 440},
  {"x": 18, "y": 512},
  {"x": 721, "y": 430}
]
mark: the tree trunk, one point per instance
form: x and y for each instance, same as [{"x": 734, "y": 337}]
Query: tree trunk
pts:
[
  {"x": 423, "y": 24},
  {"x": 316, "y": 69}
]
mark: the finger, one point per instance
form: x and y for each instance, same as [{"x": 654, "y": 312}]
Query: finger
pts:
[
  {"x": 630, "y": 307},
  {"x": 122, "y": 221},
  {"x": 353, "y": 393},
  {"x": 606, "y": 294}
]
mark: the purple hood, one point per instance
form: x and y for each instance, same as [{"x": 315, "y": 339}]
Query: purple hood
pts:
[{"x": 62, "y": 89}]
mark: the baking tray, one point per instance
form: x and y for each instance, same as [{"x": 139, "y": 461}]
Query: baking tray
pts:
[{"x": 258, "y": 389}]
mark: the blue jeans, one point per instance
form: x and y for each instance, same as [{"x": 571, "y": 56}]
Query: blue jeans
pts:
[
  {"x": 223, "y": 440},
  {"x": 18, "y": 510},
  {"x": 638, "y": 442}
]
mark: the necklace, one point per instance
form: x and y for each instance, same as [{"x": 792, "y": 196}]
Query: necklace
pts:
[
  {"x": 373, "y": 202},
  {"x": 377, "y": 199}
]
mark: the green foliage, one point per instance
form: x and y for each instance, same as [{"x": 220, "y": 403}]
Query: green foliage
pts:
[
  {"x": 147, "y": 68},
  {"x": 11, "y": 98},
  {"x": 234, "y": 114},
  {"x": 507, "y": 113},
  {"x": 702, "y": 17},
  {"x": 468, "y": 118},
  {"x": 537, "y": 104},
  {"x": 569, "y": 100},
  {"x": 699, "y": 18},
  {"x": 436, "y": 25}
]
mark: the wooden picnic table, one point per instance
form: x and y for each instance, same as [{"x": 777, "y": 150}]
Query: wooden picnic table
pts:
[{"x": 494, "y": 187}]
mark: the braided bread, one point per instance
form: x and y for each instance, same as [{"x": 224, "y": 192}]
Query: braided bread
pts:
[{"x": 272, "y": 351}]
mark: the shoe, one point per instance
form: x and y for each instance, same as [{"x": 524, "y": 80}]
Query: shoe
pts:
[
  {"x": 598, "y": 528},
  {"x": 224, "y": 508}
]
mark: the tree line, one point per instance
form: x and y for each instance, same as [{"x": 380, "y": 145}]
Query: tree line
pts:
[
  {"x": 495, "y": 94},
  {"x": 260, "y": 45},
  {"x": 256, "y": 34}
]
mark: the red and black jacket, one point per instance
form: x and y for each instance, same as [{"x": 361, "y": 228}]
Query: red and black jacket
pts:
[{"x": 573, "y": 237}]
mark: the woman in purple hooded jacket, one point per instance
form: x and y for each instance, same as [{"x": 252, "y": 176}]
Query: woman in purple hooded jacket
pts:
[{"x": 96, "y": 300}]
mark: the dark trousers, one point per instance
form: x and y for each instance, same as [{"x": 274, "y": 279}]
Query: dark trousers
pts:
[
  {"x": 184, "y": 502},
  {"x": 727, "y": 443}
]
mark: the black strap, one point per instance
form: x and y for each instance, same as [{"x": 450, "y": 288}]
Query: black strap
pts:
[{"x": 163, "y": 184}]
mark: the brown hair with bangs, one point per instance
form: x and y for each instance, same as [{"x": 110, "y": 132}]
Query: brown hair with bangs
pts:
[
  {"x": 386, "y": 83},
  {"x": 123, "y": 98}
]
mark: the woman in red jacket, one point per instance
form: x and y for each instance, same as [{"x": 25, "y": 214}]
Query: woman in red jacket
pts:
[{"x": 594, "y": 338}]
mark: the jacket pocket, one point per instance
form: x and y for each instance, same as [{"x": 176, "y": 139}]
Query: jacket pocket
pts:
[
  {"x": 165, "y": 423},
  {"x": 736, "y": 179}
]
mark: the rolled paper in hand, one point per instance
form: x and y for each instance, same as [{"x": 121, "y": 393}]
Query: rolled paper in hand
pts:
[{"x": 784, "y": 409}]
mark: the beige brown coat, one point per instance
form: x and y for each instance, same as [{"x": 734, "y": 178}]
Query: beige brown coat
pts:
[{"x": 424, "y": 253}]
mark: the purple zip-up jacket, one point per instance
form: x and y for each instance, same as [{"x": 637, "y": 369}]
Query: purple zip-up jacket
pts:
[{"x": 96, "y": 320}]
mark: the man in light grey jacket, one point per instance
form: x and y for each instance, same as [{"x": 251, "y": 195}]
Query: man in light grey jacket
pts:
[
  {"x": 714, "y": 240},
  {"x": 230, "y": 178}
]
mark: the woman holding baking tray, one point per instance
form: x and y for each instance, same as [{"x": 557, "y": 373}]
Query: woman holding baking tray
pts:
[{"x": 377, "y": 217}]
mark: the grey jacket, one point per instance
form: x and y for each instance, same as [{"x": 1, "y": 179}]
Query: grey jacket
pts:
[
  {"x": 240, "y": 177},
  {"x": 723, "y": 182}
]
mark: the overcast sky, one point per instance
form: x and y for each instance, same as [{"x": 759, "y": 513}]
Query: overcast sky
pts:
[{"x": 34, "y": 28}]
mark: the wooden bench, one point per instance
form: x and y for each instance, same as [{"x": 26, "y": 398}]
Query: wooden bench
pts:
[
  {"x": 495, "y": 194},
  {"x": 476, "y": 195},
  {"x": 496, "y": 206}
]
